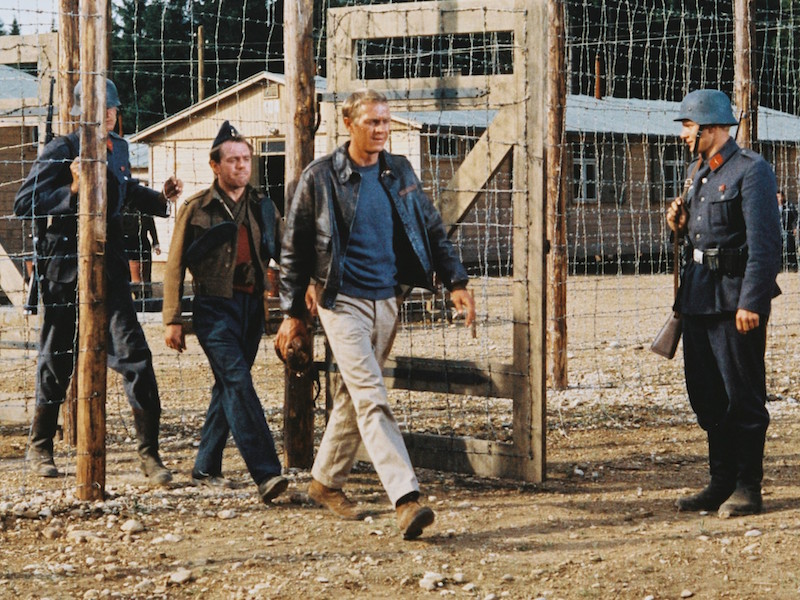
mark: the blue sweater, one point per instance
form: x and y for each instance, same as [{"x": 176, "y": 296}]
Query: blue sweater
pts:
[{"x": 370, "y": 268}]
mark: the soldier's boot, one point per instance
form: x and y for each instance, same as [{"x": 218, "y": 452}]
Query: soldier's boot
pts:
[
  {"x": 43, "y": 430},
  {"x": 722, "y": 467},
  {"x": 746, "y": 499},
  {"x": 147, "y": 433}
]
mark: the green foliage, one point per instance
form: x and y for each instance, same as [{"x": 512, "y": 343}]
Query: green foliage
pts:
[{"x": 155, "y": 55}]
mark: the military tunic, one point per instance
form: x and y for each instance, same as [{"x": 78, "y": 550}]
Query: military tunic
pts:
[{"x": 731, "y": 260}]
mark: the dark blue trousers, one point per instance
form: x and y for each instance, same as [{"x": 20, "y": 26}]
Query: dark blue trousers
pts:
[
  {"x": 725, "y": 374},
  {"x": 128, "y": 352},
  {"x": 229, "y": 331}
]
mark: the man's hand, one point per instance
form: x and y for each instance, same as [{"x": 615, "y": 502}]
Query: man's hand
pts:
[
  {"x": 75, "y": 169},
  {"x": 311, "y": 300},
  {"x": 174, "y": 337},
  {"x": 746, "y": 320},
  {"x": 464, "y": 304},
  {"x": 293, "y": 345},
  {"x": 173, "y": 187},
  {"x": 157, "y": 249},
  {"x": 677, "y": 217}
]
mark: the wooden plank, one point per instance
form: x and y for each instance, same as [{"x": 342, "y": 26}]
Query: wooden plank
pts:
[
  {"x": 11, "y": 281},
  {"x": 478, "y": 166},
  {"x": 484, "y": 458},
  {"x": 529, "y": 415}
]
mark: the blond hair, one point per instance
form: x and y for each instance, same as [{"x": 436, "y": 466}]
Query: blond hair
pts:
[{"x": 352, "y": 106}]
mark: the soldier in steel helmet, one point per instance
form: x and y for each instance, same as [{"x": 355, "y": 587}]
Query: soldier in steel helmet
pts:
[
  {"x": 731, "y": 231},
  {"x": 49, "y": 195}
]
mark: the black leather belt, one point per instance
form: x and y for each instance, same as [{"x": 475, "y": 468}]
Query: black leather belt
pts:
[{"x": 730, "y": 261}]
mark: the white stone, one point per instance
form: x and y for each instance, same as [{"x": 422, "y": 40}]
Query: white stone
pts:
[
  {"x": 181, "y": 576},
  {"x": 687, "y": 594},
  {"x": 752, "y": 533},
  {"x": 228, "y": 513},
  {"x": 132, "y": 526}
]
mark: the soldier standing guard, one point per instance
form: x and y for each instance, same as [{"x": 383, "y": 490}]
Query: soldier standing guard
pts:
[
  {"x": 49, "y": 196},
  {"x": 731, "y": 230}
]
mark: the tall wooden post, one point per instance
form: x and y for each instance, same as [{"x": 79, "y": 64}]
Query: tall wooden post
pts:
[
  {"x": 745, "y": 95},
  {"x": 68, "y": 62},
  {"x": 556, "y": 198},
  {"x": 68, "y": 65},
  {"x": 201, "y": 64},
  {"x": 298, "y": 410},
  {"x": 91, "y": 367}
]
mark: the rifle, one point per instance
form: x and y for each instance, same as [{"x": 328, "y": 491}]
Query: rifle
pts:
[{"x": 31, "y": 306}]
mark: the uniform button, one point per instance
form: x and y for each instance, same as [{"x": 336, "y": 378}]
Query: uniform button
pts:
[
  {"x": 697, "y": 236},
  {"x": 699, "y": 218},
  {"x": 702, "y": 198},
  {"x": 705, "y": 179}
]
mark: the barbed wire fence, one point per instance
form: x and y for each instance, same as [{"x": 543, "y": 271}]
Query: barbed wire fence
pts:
[{"x": 627, "y": 65}]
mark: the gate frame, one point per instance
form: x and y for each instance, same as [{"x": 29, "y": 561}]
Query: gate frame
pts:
[{"x": 520, "y": 127}]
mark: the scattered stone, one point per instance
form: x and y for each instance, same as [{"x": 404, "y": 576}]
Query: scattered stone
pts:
[
  {"x": 431, "y": 580},
  {"x": 322, "y": 579},
  {"x": 458, "y": 577},
  {"x": 508, "y": 577},
  {"x": 132, "y": 526},
  {"x": 752, "y": 533},
  {"x": 145, "y": 586},
  {"x": 227, "y": 513},
  {"x": 181, "y": 576},
  {"x": 687, "y": 594},
  {"x": 52, "y": 533},
  {"x": 468, "y": 587},
  {"x": 91, "y": 595}
]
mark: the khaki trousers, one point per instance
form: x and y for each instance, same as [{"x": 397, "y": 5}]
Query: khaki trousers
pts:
[{"x": 360, "y": 333}]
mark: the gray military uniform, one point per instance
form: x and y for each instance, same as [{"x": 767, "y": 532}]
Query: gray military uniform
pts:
[{"x": 732, "y": 257}]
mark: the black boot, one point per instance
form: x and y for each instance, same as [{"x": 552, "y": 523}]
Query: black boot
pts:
[
  {"x": 147, "y": 434},
  {"x": 722, "y": 466},
  {"x": 746, "y": 500},
  {"x": 43, "y": 430}
]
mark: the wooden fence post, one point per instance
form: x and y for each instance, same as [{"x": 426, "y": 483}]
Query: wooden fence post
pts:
[
  {"x": 92, "y": 330},
  {"x": 556, "y": 199},
  {"x": 745, "y": 95},
  {"x": 298, "y": 410}
]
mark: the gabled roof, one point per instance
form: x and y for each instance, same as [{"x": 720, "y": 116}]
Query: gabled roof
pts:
[{"x": 279, "y": 78}]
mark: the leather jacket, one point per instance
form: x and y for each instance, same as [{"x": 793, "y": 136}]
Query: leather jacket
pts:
[{"x": 320, "y": 220}]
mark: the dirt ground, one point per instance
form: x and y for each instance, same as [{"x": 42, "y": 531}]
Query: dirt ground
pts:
[{"x": 603, "y": 524}]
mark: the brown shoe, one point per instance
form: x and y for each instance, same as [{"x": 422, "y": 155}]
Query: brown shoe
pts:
[
  {"x": 335, "y": 501},
  {"x": 413, "y": 518}
]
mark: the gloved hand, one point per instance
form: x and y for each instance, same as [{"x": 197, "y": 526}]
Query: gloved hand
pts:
[{"x": 294, "y": 345}]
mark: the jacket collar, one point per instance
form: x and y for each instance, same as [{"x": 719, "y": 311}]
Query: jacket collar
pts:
[
  {"x": 728, "y": 149},
  {"x": 343, "y": 166},
  {"x": 250, "y": 194}
]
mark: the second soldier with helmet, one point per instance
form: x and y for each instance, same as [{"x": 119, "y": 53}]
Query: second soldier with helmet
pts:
[{"x": 731, "y": 231}]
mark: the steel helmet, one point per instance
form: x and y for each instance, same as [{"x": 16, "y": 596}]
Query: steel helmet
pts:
[
  {"x": 707, "y": 107},
  {"x": 112, "y": 97}
]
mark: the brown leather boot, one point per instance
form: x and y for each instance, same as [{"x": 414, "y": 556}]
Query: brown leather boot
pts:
[
  {"x": 335, "y": 501},
  {"x": 413, "y": 518}
]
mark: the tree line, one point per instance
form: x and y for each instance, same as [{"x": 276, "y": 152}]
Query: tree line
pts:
[{"x": 654, "y": 49}]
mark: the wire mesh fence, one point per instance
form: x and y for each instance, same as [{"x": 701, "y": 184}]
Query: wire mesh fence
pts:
[{"x": 628, "y": 64}]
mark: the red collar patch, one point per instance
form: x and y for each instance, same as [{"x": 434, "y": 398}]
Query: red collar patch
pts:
[{"x": 716, "y": 161}]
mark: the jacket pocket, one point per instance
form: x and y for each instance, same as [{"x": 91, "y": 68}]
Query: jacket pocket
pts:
[{"x": 726, "y": 210}]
